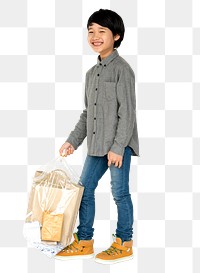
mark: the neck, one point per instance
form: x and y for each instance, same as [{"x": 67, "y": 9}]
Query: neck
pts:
[{"x": 106, "y": 54}]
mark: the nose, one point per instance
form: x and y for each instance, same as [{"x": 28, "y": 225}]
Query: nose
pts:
[{"x": 95, "y": 36}]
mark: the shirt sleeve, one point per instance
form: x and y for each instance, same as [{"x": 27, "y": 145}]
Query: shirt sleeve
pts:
[
  {"x": 126, "y": 111},
  {"x": 79, "y": 133}
]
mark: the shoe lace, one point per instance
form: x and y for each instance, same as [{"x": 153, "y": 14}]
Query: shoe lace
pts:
[
  {"x": 72, "y": 246},
  {"x": 112, "y": 250}
]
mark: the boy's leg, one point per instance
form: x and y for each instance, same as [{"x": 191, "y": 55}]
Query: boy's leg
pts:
[
  {"x": 93, "y": 170},
  {"x": 122, "y": 197},
  {"x": 121, "y": 248},
  {"x": 82, "y": 246}
]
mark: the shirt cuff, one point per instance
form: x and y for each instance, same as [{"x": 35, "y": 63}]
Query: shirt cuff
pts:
[
  {"x": 117, "y": 149},
  {"x": 72, "y": 141}
]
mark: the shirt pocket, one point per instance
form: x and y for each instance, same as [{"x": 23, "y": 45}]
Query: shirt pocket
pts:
[{"x": 109, "y": 90}]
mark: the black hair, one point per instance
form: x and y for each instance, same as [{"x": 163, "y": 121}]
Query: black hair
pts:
[{"x": 110, "y": 19}]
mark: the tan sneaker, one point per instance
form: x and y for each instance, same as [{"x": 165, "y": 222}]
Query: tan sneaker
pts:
[
  {"x": 117, "y": 252},
  {"x": 78, "y": 249}
]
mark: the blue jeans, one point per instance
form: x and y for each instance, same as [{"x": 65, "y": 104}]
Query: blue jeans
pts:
[{"x": 93, "y": 170}]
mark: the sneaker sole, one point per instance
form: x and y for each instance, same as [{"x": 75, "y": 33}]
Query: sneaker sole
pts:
[
  {"x": 65, "y": 258},
  {"x": 113, "y": 261}
]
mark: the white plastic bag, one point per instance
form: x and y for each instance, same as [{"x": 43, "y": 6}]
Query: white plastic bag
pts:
[{"x": 54, "y": 201}]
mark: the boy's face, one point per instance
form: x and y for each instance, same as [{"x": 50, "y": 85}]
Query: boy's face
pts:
[{"x": 101, "y": 39}]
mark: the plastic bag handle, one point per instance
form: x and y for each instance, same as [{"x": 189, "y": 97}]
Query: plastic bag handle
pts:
[{"x": 64, "y": 161}]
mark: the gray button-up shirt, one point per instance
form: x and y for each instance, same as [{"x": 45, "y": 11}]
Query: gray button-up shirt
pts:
[{"x": 109, "y": 117}]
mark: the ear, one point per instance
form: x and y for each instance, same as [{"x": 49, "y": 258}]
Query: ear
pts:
[{"x": 116, "y": 37}]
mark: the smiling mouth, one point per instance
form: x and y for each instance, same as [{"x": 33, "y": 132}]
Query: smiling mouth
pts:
[{"x": 97, "y": 43}]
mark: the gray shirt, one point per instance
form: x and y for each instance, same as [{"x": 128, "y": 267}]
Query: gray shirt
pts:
[{"x": 109, "y": 118}]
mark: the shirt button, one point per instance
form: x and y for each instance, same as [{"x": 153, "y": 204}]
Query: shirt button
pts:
[
  {"x": 95, "y": 104},
  {"x": 104, "y": 65},
  {"x": 96, "y": 88},
  {"x": 93, "y": 132},
  {"x": 94, "y": 118},
  {"x": 100, "y": 63},
  {"x": 98, "y": 75}
]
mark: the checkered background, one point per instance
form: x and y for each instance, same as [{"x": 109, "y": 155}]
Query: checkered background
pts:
[{"x": 43, "y": 59}]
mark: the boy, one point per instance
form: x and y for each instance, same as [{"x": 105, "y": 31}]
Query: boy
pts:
[{"x": 109, "y": 122}]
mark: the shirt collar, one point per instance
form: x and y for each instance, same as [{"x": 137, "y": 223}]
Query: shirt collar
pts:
[{"x": 108, "y": 59}]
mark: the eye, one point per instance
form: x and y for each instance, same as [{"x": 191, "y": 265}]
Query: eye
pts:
[
  {"x": 102, "y": 31},
  {"x": 90, "y": 32}
]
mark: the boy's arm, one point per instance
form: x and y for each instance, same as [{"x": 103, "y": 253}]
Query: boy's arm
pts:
[
  {"x": 79, "y": 133},
  {"x": 126, "y": 111}
]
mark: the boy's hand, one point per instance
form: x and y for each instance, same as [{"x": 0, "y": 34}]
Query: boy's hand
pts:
[
  {"x": 114, "y": 159},
  {"x": 66, "y": 149}
]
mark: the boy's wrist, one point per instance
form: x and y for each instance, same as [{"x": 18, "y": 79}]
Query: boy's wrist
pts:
[{"x": 117, "y": 149}]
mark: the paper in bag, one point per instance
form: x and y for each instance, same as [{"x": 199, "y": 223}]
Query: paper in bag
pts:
[{"x": 52, "y": 226}]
